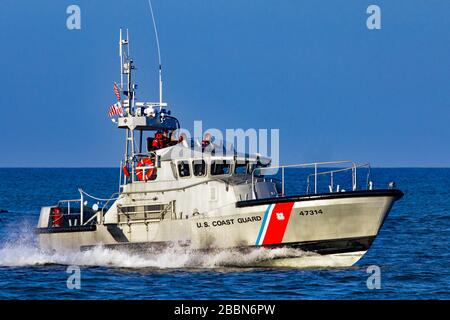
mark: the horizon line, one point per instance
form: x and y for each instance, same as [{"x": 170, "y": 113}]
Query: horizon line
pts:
[{"x": 118, "y": 167}]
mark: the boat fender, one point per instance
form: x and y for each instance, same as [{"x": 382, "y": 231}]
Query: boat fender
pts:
[{"x": 126, "y": 171}]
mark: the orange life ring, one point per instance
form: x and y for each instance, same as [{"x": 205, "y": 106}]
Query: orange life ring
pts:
[{"x": 144, "y": 162}]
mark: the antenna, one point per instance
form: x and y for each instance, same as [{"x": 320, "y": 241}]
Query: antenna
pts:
[
  {"x": 159, "y": 54},
  {"x": 121, "y": 60},
  {"x": 128, "y": 44}
]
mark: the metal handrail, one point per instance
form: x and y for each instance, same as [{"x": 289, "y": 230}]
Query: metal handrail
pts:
[
  {"x": 102, "y": 210},
  {"x": 111, "y": 198},
  {"x": 166, "y": 209},
  {"x": 332, "y": 172},
  {"x": 95, "y": 198},
  {"x": 106, "y": 205},
  {"x": 82, "y": 193},
  {"x": 157, "y": 215},
  {"x": 68, "y": 203},
  {"x": 81, "y": 202},
  {"x": 314, "y": 165}
]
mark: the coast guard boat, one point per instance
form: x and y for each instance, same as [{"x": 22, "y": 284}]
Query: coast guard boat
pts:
[{"x": 201, "y": 194}]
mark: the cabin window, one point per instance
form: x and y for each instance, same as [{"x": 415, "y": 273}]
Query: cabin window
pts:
[
  {"x": 240, "y": 168},
  {"x": 183, "y": 169},
  {"x": 199, "y": 168},
  {"x": 219, "y": 167}
]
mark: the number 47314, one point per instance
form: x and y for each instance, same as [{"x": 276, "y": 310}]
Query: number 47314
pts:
[{"x": 310, "y": 212}]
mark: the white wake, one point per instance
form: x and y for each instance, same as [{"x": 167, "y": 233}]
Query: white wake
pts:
[
  {"x": 21, "y": 251},
  {"x": 14, "y": 255}
]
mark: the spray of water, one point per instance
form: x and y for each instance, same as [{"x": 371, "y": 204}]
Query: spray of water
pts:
[
  {"x": 15, "y": 255},
  {"x": 21, "y": 250}
]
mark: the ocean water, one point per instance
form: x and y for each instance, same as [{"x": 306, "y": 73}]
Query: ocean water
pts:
[{"x": 412, "y": 250}]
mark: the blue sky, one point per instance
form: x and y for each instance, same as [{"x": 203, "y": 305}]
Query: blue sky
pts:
[{"x": 335, "y": 89}]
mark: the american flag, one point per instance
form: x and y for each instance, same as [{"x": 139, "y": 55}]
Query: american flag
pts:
[
  {"x": 117, "y": 91},
  {"x": 115, "y": 110}
]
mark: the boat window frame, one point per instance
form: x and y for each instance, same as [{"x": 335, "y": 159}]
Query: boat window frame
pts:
[
  {"x": 227, "y": 160},
  {"x": 205, "y": 167},
  {"x": 189, "y": 167},
  {"x": 235, "y": 165}
]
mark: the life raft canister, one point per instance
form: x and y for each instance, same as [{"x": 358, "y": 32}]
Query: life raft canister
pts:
[{"x": 144, "y": 162}]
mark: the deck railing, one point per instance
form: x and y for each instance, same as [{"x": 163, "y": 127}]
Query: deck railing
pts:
[
  {"x": 345, "y": 165},
  {"x": 332, "y": 174},
  {"x": 71, "y": 204}
]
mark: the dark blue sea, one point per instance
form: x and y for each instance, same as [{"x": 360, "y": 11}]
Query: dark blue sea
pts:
[{"x": 412, "y": 250}]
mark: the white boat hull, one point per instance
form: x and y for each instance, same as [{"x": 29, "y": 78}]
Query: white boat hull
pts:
[{"x": 338, "y": 228}]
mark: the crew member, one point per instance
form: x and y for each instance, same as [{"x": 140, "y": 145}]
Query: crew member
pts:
[{"x": 161, "y": 139}]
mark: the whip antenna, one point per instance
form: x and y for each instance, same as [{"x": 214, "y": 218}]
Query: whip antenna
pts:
[{"x": 159, "y": 53}]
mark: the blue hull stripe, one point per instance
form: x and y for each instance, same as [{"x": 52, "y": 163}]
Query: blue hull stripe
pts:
[{"x": 263, "y": 224}]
